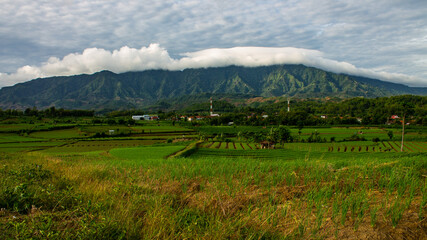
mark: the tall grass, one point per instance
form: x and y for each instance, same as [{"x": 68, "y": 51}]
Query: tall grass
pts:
[{"x": 137, "y": 193}]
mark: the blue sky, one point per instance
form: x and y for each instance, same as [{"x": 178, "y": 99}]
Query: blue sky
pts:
[{"x": 386, "y": 39}]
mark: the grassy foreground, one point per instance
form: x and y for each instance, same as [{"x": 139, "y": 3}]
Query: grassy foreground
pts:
[{"x": 134, "y": 193}]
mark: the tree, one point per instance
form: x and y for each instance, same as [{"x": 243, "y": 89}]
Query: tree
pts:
[{"x": 280, "y": 134}]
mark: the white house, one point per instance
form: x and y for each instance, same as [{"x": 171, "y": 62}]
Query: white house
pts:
[
  {"x": 137, "y": 117},
  {"x": 141, "y": 117}
]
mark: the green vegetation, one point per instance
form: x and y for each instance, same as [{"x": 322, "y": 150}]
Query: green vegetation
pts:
[
  {"x": 164, "y": 179},
  {"x": 137, "y": 193},
  {"x": 168, "y": 89}
]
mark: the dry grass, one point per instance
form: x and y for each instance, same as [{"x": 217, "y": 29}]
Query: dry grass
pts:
[{"x": 139, "y": 203}]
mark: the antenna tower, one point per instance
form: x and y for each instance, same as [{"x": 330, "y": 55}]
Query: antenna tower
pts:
[{"x": 211, "y": 107}]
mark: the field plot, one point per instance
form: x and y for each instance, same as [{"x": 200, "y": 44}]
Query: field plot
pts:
[
  {"x": 385, "y": 146},
  {"x": 160, "y": 129},
  {"x": 89, "y": 129},
  {"x": 228, "y": 129},
  {"x": 248, "y": 153},
  {"x": 15, "y": 127},
  {"x": 13, "y": 137},
  {"x": 145, "y": 153},
  {"x": 28, "y": 146},
  {"x": 343, "y": 150},
  {"x": 59, "y": 134},
  {"x": 230, "y": 145},
  {"x": 88, "y": 146}
]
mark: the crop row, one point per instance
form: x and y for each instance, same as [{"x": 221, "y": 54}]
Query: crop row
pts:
[
  {"x": 382, "y": 147},
  {"x": 231, "y": 145}
]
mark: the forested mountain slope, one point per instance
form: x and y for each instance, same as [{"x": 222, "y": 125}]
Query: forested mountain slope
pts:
[{"x": 139, "y": 89}]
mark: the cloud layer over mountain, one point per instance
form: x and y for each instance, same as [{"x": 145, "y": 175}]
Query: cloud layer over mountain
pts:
[
  {"x": 381, "y": 35},
  {"x": 126, "y": 59}
]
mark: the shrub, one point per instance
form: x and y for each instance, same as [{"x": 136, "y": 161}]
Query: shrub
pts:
[
  {"x": 356, "y": 137},
  {"x": 390, "y": 134}
]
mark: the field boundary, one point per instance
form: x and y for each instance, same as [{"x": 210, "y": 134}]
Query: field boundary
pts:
[{"x": 187, "y": 151}]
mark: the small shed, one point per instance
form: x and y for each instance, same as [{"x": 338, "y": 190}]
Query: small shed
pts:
[{"x": 267, "y": 144}]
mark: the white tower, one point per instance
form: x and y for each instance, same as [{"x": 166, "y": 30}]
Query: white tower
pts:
[
  {"x": 211, "y": 107},
  {"x": 289, "y": 105}
]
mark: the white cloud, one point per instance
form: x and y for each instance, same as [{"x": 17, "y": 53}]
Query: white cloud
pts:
[
  {"x": 380, "y": 34},
  {"x": 126, "y": 59}
]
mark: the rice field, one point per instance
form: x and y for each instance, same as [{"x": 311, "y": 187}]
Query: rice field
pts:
[
  {"x": 356, "y": 147},
  {"x": 124, "y": 188},
  {"x": 59, "y": 134},
  {"x": 89, "y": 146}
]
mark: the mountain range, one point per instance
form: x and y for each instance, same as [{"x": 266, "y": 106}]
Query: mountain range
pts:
[{"x": 108, "y": 90}]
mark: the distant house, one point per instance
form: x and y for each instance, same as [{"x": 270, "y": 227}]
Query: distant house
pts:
[
  {"x": 267, "y": 145},
  {"x": 137, "y": 117},
  {"x": 144, "y": 117},
  {"x": 393, "y": 120}
]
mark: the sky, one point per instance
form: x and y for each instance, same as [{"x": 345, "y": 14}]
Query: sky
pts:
[{"x": 384, "y": 39}]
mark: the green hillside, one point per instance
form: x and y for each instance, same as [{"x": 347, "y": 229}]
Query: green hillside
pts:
[{"x": 107, "y": 90}]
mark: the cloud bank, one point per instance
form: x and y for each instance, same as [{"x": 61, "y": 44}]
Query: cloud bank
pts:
[{"x": 126, "y": 59}]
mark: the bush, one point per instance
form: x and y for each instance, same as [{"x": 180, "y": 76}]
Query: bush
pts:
[
  {"x": 32, "y": 186},
  {"x": 390, "y": 134},
  {"x": 315, "y": 137},
  {"x": 356, "y": 137}
]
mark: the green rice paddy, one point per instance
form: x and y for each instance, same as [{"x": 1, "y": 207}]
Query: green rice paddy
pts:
[{"x": 66, "y": 184}]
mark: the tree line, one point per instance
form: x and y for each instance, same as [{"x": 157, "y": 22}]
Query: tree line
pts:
[
  {"x": 303, "y": 112},
  {"x": 355, "y": 111},
  {"x": 48, "y": 112}
]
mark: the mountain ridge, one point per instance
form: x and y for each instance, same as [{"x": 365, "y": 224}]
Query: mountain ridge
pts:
[{"x": 106, "y": 89}]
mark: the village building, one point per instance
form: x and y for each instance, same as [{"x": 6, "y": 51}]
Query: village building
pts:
[
  {"x": 145, "y": 117},
  {"x": 267, "y": 144}
]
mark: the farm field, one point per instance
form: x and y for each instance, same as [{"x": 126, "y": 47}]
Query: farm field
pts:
[
  {"x": 89, "y": 146},
  {"x": 7, "y": 128},
  {"x": 58, "y": 134},
  {"x": 338, "y": 133},
  {"x": 63, "y": 186},
  {"x": 355, "y": 146},
  {"x": 85, "y": 138},
  {"x": 13, "y": 137},
  {"x": 160, "y": 128}
]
